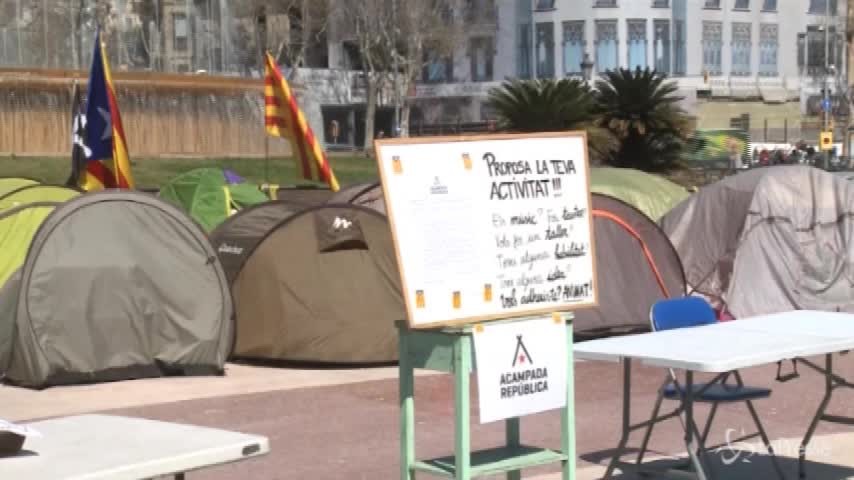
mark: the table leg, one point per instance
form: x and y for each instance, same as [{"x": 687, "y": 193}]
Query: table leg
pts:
[
  {"x": 407, "y": 410},
  {"x": 627, "y": 392},
  {"x": 697, "y": 458},
  {"x": 828, "y": 391},
  {"x": 179, "y": 476},
  {"x": 462, "y": 437},
  {"x": 567, "y": 415},
  {"x": 511, "y": 432}
]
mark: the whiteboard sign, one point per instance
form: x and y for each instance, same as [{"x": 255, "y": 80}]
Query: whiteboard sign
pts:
[
  {"x": 521, "y": 367},
  {"x": 489, "y": 227}
]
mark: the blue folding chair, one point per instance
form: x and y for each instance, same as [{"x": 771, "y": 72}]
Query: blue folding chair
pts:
[{"x": 686, "y": 312}]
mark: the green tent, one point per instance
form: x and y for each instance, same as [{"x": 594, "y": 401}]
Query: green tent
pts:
[
  {"x": 36, "y": 193},
  {"x": 651, "y": 194},
  {"x": 7, "y": 184},
  {"x": 17, "y": 227},
  {"x": 210, "y": 195}
]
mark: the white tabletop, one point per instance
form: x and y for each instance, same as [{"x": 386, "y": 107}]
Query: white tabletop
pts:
[
  {"x": 89, "y": 447},
  {"x": 732, "y": 345}
]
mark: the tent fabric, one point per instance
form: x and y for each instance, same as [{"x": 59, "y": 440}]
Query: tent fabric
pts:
[
  {"x": 769, "y": 240},
  {"x": 208, "y": 196},
  {"x": 636, "y": 265},
  {"x": 368, "y": 195},
  {"x": 320, "y": 286},
  {"x": 652, "y": 194},
  {"x": 236, "y": 238},
  {"x": 36, "y": 193},
  {"x": 116, "y": 285},
  {"x": 18, "y": 225},
  {"x": 306, "y": 195},
  {"x": 7, "y": 184}
]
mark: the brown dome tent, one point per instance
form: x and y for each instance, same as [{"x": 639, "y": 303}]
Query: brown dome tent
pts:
[
  {"x": 315, "y": 285},
  {"x": 365, "y": 194},
  {"x": 637, "y": 266},
  {"x": 115, "y": 285}
]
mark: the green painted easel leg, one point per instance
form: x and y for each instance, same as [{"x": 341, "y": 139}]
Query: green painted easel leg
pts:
[
  {"x": 567, "y": 417},
  {"x": 407, "y": 410},
  {"x": 511, "y": 428},
  {"x": 462, "y": 440}
]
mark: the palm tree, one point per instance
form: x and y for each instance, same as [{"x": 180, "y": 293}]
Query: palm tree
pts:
[
  {"x": 641, "y": 109},
  {"x": 549, "y": 105}
]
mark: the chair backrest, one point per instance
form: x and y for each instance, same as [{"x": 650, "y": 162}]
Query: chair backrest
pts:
[{"x": 681, "y": 312}]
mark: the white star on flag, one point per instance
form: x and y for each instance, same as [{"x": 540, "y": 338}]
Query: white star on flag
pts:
[{"x": 108, "y": 130}]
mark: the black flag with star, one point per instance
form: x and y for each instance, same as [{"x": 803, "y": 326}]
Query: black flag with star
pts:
[{"x": 78, "y": 138}]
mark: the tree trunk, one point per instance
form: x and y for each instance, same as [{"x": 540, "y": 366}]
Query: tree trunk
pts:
[{"x": 370, "y": 112}]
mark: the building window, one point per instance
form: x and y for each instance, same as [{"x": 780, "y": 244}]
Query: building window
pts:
[
  {"x": 606, "y": 45},
  {"x": 437, "y": 69},
  {"x": 544, "y": 5},
  {"x": 811, "y": 49},
  {"x": 545, "y": 49},
  {"x": 679, "y": 51},
  {"x": 712, "y": 4},
  {"x": 636, "y": 43},
  {"x": 769, "y": 6},
  {"x": 179, "y": 30},
  {"x": 660, "y": 3},
  {"x": 481, "y": 54},
  {"x": 523, "y": 59},
  {"x": 741, "y": 47},
  {"x": 819, "y": 7},
  {"x": 605, "y": 3},
  {"x": 741, "y": 5},
  {"x": 661, "y": 45},
  {"x": 573, "y": 47},
  {"x": 712, "y": 44},
  {"x": 768, "y": 50}
]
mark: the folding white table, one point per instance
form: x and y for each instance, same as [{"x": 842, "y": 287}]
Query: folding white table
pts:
[
  {"x": 96, "y": 447},
  {"x": 728, "y": 346}
]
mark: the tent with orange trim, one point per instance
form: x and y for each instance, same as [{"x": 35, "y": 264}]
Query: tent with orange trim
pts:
[{"x": 637, "y": 266}]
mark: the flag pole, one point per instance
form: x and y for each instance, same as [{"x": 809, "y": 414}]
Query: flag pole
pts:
[{"x": 266, "y": 159}]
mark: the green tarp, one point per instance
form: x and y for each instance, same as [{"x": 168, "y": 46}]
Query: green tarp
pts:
[
  {"x": 651, "y": 194},
  {"x": 208, "y": 197},
  {"x": 36, "y": 193},
  {"x": 17, "y": 227},
  {"x": 7, "y": 184}
]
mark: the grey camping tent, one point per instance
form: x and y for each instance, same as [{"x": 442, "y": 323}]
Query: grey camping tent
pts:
[
  {"x": 115, "y": 285},
  {"x": 769, "y": 240},
  {"x": 637, "y": 266},
  {"x": 318, "y": 285},
  {"x": 365, "y": 194}
]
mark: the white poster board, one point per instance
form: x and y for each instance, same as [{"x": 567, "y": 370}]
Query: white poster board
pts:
[
  {"x": 489, "y": 227},
  {"x": 521, "y": 367}
]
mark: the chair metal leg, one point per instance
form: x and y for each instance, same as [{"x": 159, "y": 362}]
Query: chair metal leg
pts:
[
  {"x": 708, "y": 426},
  {"x": 761, "y": 430},
  {"x": 653, "y": 420}
]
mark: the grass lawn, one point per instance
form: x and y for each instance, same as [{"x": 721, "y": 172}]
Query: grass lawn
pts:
[{"x": 153, "y": 172}]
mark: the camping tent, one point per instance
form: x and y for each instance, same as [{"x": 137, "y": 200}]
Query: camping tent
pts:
[
  {"x": 8, "y": 184},
  {"x": 304, "y": 194},
  {"x": 636, "y": 266},
  {"x": 17, "y": 227},
  {"x": 365, "y": 194},
  {"x": 36, "y": 193},
  {"x": 652, "y": 194},
  {"x": 210, "y": 195},
  {"x": 314, "y": 285},
  {"x": 769, "y": 240},
  {"x": 115, "y": 285}
]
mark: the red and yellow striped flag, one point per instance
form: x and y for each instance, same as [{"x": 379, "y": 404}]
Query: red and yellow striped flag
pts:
[{"x": 283, "y": 118}]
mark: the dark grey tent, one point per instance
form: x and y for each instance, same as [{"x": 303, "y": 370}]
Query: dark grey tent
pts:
[
  {"x": 365, "y": 194},
  {"x": 304, "y": 194},
  {"x": 315, "y": 285},
  {"x": 115, "y": 285},
  {"x": 636, "y": 266},
  {"x": 769, "y": 240}
]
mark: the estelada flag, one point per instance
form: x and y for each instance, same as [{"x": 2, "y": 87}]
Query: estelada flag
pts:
[
  {"x": 107, "y": 162},
  {"x": 283, "y": 118}
]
